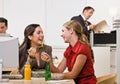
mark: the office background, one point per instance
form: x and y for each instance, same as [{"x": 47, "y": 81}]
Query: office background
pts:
[{"x": 51, "y": 14}]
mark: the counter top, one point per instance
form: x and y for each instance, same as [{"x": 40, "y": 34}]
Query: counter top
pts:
[{"x": 39, "y": 81}]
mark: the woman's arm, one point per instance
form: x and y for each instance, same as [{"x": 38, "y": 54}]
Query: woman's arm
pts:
[
  {"x": 61, "y": 67},
  {"x": 78, "y": 66}
]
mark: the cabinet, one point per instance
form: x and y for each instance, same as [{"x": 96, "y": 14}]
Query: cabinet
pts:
[
  {"x": 114, "y": 56},
  {"x": 113, "y": 63},
  {"x": 102, "y": 60},
  {"x": 118, "y": 54}
]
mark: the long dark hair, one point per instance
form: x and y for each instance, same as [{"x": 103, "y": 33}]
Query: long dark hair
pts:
[{"x": 29, "y": 30}]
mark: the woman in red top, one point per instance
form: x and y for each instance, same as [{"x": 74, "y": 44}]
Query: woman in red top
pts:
[{"x": 77, "y": 57}]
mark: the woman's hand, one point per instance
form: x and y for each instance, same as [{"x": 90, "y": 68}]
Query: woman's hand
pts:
[
  {"x": 15, "y": 71},
  {"x": 32, "y": 52},
  {"x": 45, "y": 57}
]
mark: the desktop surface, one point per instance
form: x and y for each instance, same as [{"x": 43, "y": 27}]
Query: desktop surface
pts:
[{"x": 39, "y": 81}]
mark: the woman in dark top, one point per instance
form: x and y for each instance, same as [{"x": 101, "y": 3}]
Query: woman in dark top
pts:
[{"x": 31, "y": 48}]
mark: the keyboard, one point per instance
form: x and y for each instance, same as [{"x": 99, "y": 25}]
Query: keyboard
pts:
[{"x": 12, "y": 76}]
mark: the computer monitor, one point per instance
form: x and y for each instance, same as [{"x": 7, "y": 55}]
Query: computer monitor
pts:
[{"x": 9, "y": 52}]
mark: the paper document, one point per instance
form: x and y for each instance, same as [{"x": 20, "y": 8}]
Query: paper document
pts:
[{"x": 101, "y": 27}]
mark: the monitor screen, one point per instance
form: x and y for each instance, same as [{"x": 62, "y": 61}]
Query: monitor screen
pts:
[{"x": 9, "y": 52}]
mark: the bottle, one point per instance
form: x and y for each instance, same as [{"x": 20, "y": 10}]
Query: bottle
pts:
[
  {"x": 27, "y": 72},
  {"x": 47, "y": 72}
]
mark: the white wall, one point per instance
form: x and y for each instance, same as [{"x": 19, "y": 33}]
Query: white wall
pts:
[
  {"x": 20, "y": 13},
  {"x": 51, "y": 14},
  {"x": 58, "y": 12},
  {"x": 1, "y": 8}
]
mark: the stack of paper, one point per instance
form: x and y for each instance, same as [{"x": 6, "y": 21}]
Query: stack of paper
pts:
[{"x": 101, "y": 27}]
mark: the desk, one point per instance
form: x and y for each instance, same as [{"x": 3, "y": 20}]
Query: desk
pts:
[{"x": 39, "y": 81}]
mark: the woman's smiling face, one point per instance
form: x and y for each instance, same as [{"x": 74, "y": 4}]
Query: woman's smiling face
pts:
[
  {"x": 37, "y": 37},
  {"x": 66, "y": 34}
]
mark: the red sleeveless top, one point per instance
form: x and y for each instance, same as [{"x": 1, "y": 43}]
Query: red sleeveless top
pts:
[{"x": 87, "y": 73}]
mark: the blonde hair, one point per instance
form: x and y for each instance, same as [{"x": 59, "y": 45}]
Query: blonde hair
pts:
[
  {"x": 75, "y": 25},
  {"x": 78, "y": 29}
]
